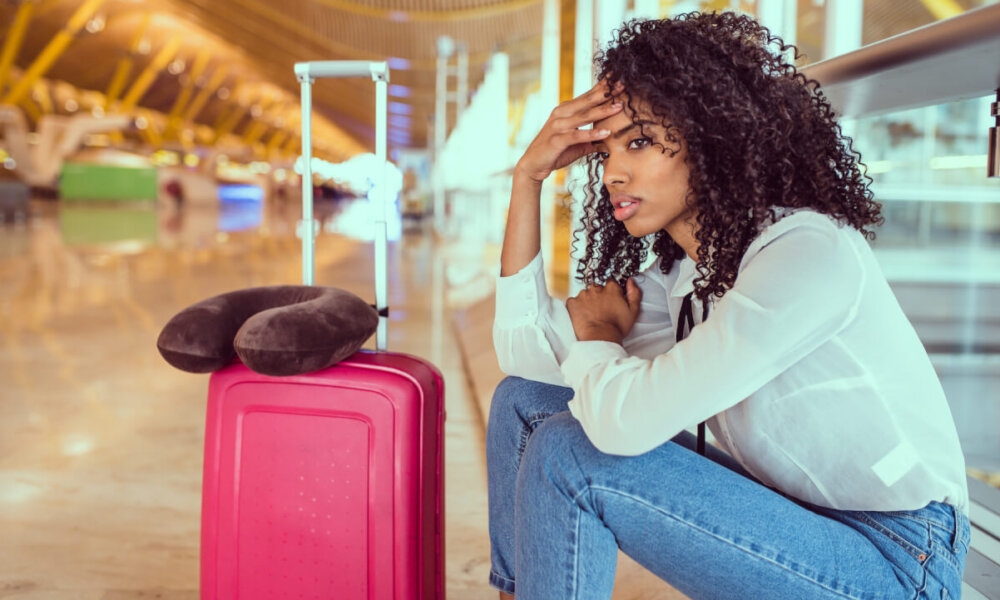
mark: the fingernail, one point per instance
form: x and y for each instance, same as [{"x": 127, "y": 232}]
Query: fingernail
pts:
[
  {"x": 616, "y": 105},
  {"x": 603, "y": 131}
]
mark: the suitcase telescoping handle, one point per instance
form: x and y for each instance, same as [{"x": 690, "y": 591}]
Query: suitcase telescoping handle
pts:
[{"x": 307, "y": 73}]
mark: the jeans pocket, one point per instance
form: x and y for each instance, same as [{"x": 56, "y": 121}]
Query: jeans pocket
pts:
[
  {"x": 906, "y": 543},
  {"x": 911, "y": 536}
]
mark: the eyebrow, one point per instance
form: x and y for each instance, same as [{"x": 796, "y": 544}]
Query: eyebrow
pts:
[{"x": 622, "y": 132}]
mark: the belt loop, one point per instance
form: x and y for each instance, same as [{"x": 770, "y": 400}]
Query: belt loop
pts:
[{"x": 955, "y": 528}]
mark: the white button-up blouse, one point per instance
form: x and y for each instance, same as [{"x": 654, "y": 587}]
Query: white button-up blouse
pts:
[{"x": 807, "y": 370}]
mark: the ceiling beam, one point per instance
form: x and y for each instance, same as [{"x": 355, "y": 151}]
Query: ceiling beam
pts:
[
  {"x": 124, "y": 66},
  {"x": 15, "y": 35},
  {"x": 53, "y": 50},
  {"x": 438, "y": 16}
]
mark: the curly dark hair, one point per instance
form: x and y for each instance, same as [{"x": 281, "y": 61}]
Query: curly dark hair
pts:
[{"x": 759, "y": 135}]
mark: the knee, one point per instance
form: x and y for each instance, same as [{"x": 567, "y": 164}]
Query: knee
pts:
[
  {"x": 557, "y": 443},
  {"x": 557, "y": 452},
  {"x": 518, "y": 401}
]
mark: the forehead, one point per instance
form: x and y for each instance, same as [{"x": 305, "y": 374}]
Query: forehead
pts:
[{"x": 634, "y": 109}]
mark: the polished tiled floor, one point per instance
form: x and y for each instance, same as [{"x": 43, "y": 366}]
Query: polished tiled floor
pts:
[{"x": 101, "y": 440}]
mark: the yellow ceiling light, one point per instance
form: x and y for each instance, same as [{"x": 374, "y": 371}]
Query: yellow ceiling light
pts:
[{"x": 96, "y": 24}]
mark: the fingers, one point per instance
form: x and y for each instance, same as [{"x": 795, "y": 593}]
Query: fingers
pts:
[
  {"x": 599, "y": 112},
  {"x": 595, "y": 96},
  {"x": 580, "y": 136},
  {"x": 633, "y": 295}
]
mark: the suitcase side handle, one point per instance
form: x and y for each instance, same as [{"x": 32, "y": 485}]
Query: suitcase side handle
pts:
[{"x": 307, "y": 73}]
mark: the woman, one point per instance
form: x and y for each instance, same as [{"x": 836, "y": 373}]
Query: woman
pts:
[{"x": 838, "y": 471}]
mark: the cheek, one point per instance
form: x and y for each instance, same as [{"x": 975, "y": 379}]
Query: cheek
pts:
[{"x": 667, "y": 175}]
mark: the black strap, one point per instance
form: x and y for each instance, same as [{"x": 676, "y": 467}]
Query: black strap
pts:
[{"x": 686, "y": 322}]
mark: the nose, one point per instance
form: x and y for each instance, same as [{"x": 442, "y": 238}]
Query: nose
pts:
[{"x": 615, "y": 172}]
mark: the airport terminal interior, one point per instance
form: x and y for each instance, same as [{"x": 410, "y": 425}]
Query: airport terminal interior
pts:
[{"x": 151, "y": 157}]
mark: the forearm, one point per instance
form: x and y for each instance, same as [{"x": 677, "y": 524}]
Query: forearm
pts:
[{"x": 522, "y": 239}]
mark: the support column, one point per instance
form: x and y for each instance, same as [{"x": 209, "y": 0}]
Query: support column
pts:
[
  {"x": 565, "y": 257},
  {"x": 550, "y": 98},
  {"x": 843, "y": 28},
  {"x": 462, "y": 75},
  {"x": 647, "y": 9},
  {"x": 445, "y": 48},
  {"x": 779, "y": 16}
]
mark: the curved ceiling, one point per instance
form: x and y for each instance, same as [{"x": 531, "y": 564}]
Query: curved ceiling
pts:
[
  {"x": 238, "y": 54},
  {"x": 241, "y": 53}
]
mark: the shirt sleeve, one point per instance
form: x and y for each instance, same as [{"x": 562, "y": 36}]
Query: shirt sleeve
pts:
[
  {"x": 792, "y": 296},
  {"x": 532, "y": 332}
]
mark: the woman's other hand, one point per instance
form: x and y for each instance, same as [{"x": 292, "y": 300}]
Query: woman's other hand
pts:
[
  {"x": 603, "y": 312},
  {"x": 561, "y": 141}
]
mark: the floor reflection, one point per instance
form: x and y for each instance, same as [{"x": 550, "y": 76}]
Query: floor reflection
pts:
[{"x": 101, "y": 440}]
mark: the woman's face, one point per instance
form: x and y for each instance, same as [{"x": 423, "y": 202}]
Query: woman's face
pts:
[{"x": 647, "y": 185}]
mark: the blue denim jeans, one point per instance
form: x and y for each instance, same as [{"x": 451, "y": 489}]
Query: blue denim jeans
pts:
[{"x": 560, "y": 509}]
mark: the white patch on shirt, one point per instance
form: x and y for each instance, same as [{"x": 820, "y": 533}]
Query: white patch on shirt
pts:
[{"x": 891, "y": 467}]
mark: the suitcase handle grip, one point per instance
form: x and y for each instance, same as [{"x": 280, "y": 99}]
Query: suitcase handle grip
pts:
[{"x": 307, "y": 73}]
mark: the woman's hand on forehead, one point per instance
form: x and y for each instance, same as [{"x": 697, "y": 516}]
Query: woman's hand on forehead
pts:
[{"x": 562, "y": 139}]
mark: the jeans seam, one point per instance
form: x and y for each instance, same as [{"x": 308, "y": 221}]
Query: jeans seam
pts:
[
  {"x": 526, "y": 431},
  {"x": 521, "y": 445},
  {"x": 907, "y": 547},
  {"x": 920, "y": 520},
  {"x": 576, "y": 557},
  {"x": 724, "y": 540},
  {"x": 950, "y": 557}
]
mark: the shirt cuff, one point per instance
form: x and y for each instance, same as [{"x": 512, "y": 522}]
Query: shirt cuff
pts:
[
  {"x": 518, "y": 295},
  {"x": 584, "y": 356}
]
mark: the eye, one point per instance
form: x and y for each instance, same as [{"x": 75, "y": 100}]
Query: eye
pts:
[{"x": 638, "y": 143}]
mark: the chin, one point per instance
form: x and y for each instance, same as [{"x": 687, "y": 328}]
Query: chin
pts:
[{"x": 637, "y": 230}]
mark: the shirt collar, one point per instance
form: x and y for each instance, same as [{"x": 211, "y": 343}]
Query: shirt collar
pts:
[{"x": 686, "y": 273}]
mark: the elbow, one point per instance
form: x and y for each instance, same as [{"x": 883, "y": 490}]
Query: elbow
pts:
[
  {"x": 501, "y": 348},
  {"x": 508, "y": 367}
]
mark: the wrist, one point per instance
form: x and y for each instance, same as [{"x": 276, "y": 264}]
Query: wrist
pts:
[
  {"x": 600, "y": 333},
  {"x": 523, "y": 177}
]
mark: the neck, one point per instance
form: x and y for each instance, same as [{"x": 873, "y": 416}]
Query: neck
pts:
[{"x": 682, "y": 231}]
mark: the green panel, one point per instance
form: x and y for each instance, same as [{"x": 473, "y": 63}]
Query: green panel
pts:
[
  {"x": 85, "y": 181},
  {"x": 83, "y": 225}
]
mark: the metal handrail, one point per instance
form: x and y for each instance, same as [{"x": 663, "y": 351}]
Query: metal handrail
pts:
[{"x": 954, "y": 59}]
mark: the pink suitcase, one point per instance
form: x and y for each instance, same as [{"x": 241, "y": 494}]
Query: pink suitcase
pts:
[{"x": 327, "y": 485}]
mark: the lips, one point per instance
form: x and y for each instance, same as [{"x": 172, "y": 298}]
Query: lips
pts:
[{"x": 625, "y": 206}]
